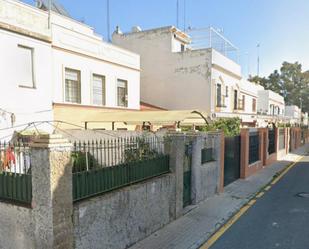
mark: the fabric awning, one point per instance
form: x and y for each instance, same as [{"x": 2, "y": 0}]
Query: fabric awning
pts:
[{"x": 186, "y": 117}]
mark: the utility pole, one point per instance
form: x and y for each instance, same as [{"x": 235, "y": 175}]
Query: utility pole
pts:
[
  {"x": 177, "y": 13},
  {"x": 108, "y": 20},
  {"x": 184, "y": 15},
  {"x": 258, "y": 59}
]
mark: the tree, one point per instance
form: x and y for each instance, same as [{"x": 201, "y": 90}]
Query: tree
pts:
[{"x": 291, "y": 82}]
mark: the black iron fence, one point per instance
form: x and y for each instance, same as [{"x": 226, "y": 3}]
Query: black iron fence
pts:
[
  {"x": 254, "y": 145},
  {"x": 101, "y": 166},
  {"x": 15, "y": 172}
]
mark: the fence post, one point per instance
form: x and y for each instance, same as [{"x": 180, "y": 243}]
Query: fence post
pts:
[
  {"x": 52, "y": 192},
  {"x": 177, "y": 157},
  {"x": 244, "y": 152}
]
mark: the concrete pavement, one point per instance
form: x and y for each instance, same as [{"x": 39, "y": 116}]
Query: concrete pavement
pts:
[{"x": 193, "y": 229}]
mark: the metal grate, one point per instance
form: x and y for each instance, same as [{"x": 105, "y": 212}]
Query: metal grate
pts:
[{"x": 254, "y": 144}]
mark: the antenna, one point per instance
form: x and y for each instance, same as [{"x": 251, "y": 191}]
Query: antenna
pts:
[
  {"x": 49, "y": 13},
  {"x": 108, "y": 20},
  {"x": 258, "y": 58}
]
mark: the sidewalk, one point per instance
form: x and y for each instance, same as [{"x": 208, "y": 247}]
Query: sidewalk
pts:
[{"x": 195, "y": 228}]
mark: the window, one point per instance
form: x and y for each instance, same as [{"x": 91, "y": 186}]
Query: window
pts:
[
  {"x": 219, "y": 103},
  {"x": 226, "y": 91},
  {"x": 253, "y": 105},
  {"x": 182, "y": 47},
  {"x": 72, "y": 86},
  {"x": 98, "y": 89},
  {"x": 122, "y": 93},
  {"x": 243, "y": 106},
  {"x": 235, "y": 100},
  {"x": 26, "y": 67}
]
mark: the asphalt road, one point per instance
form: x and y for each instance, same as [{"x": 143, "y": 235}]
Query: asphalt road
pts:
[{"x": 279, "y": 219}]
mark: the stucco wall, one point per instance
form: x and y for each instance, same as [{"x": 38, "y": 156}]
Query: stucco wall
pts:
[
  {"x": 123, "y": 217},
  {"x": 206, "y": 177},
  {"x": 27, "y": 104},
  {"x": 17, "y": 227}
]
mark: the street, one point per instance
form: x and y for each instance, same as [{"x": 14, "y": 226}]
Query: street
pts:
[{"x": 278, "y": 219}]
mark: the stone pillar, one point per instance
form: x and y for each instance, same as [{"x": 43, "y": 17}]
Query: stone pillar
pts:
[
  {"x": 244, "y": 152},
  {"x": 177, "y": 157},
  {"x": 197, "y": 145},
  {"x": 52, "y": 200},
  {"x": 261, "y": 145},
  {"x": 287, "y": 140}
]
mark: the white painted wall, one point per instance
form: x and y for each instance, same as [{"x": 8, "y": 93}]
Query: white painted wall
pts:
[
  {"x": 172, "y": 80},
  {"x": 76, "y": 46},
  {"x": 28, "y": 105}
]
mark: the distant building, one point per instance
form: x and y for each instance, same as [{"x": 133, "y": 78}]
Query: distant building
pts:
[{"x": 293, "y": 114}]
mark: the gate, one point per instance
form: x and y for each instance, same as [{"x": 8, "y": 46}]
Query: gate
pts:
[
  {"x": 187, "y": 175},
  {"x": 231, "y": 159},
  {"x": 271, "y": 141}
]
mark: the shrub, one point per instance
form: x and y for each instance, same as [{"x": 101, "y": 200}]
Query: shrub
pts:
[{"x": 230, "y": 126}]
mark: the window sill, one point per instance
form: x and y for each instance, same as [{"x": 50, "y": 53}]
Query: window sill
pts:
[{"x": 27, "y": 87}]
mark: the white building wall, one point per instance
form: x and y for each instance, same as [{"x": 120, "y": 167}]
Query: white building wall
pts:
[
  {"x": 76, "y": 46},
  {"x": 27, "y": 104},
  {"x": 88, "y": 67},
  {"x": 171, "y": 80},
  {"x": 179, "y": 80}
]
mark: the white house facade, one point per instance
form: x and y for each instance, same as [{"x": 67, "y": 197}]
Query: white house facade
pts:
[
  {"x": 58, "y": 69},
  {"x": 293, "y": 114},
  {"x": 176, "y": 77}
]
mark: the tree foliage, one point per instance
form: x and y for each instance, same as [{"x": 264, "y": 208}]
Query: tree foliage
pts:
[
  {"x": 230, "y": 126},
  {"x": 291, "y": 82}
]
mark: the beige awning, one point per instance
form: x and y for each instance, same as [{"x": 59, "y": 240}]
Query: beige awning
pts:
[{"x": 186, "y": 117}]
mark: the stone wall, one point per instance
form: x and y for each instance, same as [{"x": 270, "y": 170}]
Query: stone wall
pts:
[
  {"x": 17, "y": 227},
  {"x": 122, "y": 217}
]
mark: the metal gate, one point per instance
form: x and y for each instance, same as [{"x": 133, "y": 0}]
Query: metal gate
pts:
[
  {"x": 271, "y": 141},
  {"x": 187, "y": 175},
  {"x": 231, "y": 159}
]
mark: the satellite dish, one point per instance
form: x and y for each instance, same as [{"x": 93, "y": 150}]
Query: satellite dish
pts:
[{"x": 55, "y": 6}]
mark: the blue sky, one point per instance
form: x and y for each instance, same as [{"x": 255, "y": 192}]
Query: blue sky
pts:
[{"x": 280, "y": 26}]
